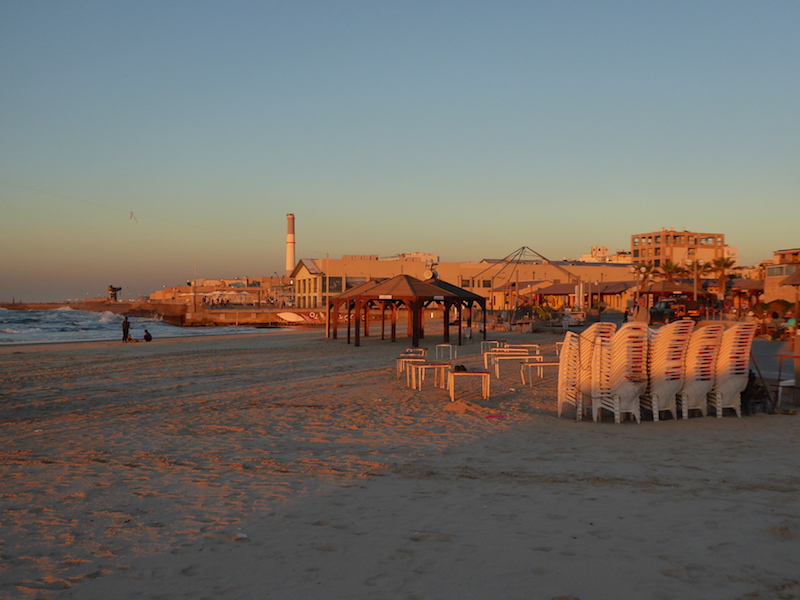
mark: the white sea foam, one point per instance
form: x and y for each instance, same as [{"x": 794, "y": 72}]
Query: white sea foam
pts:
[{"x": 65, "y": 324}]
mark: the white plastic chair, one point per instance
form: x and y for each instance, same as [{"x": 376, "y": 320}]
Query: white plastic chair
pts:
[
  {"x": 568, "y": 375},
  {"x": 701, "y": 357},
  {"x": 666, "y": 367},
  {"x": 732, "y": 368},
  {"x": 619, "y": 372}
]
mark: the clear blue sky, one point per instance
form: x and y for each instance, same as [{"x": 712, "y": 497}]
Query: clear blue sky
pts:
[{"x": 465, "y": 129}]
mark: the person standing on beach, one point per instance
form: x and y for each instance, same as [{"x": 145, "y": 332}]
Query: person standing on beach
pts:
[
  {"x": 125, "y": 328},
  {"x": 640, "y": 312}
]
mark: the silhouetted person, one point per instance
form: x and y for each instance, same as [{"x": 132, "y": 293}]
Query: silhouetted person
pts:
[
  {"x": 147, "y": 336},
  {"x": 125, "y": 327}
]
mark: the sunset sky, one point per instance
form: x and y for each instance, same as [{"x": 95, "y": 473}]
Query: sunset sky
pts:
[{"x": 144, "y": 141}]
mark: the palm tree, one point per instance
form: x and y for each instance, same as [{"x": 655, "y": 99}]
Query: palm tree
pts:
[
  {"x": 721, "y": 266},
  {"x": 669, "y": 271},
  {"x": 698, "y": 268}
]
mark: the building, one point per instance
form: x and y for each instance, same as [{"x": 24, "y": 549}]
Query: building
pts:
[
  {"x": 784, "y": 263},
  {"x": 250, "y": 291},
  {"x": 680, "y": 247},
  {"x": 600, "y": 254},
  {"x": 500, "y": 281}
]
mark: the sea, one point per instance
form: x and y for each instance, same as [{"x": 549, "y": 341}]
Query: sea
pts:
[{"x": 70, "y": 325}]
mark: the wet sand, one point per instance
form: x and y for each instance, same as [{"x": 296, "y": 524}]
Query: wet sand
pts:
[{"x": 283, "y": 465}]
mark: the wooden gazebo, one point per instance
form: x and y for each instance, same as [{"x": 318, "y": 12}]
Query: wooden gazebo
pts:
[{"x": 391, "y": 294}]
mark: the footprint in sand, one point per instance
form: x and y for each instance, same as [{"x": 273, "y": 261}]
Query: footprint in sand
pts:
[{"x": 436, "y": 537}]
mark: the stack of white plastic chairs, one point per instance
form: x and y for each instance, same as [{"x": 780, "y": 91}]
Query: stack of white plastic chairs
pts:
[
  {"x": 732, "y": 368},
  {"x": 666, "y": 367},
  {"x": 592, "y": 333},
  {"x": 619, "y": 372},
  {"x": 701, "y": 358},
  {"x": 569, "y": 374}
]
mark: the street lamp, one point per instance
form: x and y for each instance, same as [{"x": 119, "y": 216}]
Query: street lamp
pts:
[{"x": 640, "y": 271}]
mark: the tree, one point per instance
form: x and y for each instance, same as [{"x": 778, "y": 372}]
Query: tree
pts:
[
  {"x": 669, "y": 271},
  {"x": 721, "y": 266},
  {"x": 698, "y": 268}
]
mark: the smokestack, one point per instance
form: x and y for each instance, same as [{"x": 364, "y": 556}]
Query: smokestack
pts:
[{"x": 290, "y": 244}]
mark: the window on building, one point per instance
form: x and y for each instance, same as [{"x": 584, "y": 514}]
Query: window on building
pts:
[
  {"x": 657, "y": 263},
  {"x": 679, "y": 239},
  {"x": 487, "y": 283},
  {"x": 635, "y": 254},
  {"x": 658, "y": 239},
  {"x": 776, "y": 271},
  {"x": 657, "y": 251},
  {"x": 635, "y": 241}
]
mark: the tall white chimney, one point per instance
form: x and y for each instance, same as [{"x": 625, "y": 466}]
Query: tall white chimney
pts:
[{"x": 290, "y": 244}]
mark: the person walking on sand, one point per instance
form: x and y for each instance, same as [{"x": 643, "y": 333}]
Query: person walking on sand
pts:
[{"x": 125, "y": 328}]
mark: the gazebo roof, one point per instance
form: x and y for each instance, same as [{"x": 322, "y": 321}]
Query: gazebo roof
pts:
[
  {"x": 460, "y": 292},
  {"x": 793, "y": 279},
  {"x": 602, "y": 287},
  {"x": 670, "y": 287},
  {"x": 360, "y": 289},
  {"x": 402, "y": 286},
  {"x": 755, "y": 285}
]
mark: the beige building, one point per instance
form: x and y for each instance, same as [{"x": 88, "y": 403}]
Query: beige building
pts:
[
  {"x": 500, "y": 281},
  {"x": 784, "y": 263},
  {"x": 250, "y": 291},
  {"x": 680, "y": 247}
]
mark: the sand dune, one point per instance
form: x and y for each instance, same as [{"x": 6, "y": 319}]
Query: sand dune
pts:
[{"x": 282, "y": 465}]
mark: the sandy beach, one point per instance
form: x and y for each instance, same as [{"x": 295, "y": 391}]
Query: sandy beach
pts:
[{"x": 283, "y": 465}]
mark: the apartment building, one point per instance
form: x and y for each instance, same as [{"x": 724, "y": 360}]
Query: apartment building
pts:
[{"x": 680, "y": 247}]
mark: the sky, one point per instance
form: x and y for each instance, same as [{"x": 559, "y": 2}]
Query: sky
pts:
[{"x": 146, "y": 142}]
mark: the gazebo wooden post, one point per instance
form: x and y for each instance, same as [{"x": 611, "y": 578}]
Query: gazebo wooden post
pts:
[
  {"x": 446, "y": 322},
  {"x": 333, "y": 321},
  {"x": 348, "y": 321},
  {"x": 421, "y": 320},
  {"x": 459, "y": 322},
  {"x": 357, "y": 317},
  {"x": 366, "y": 318},
  {"x": 383, "y": 320},
  {"x": 327, "y": 318},
  {"x": 415, "y": 317},
  {"x": 394, "y": 322},
  {"x": 410, "y": 306}
]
